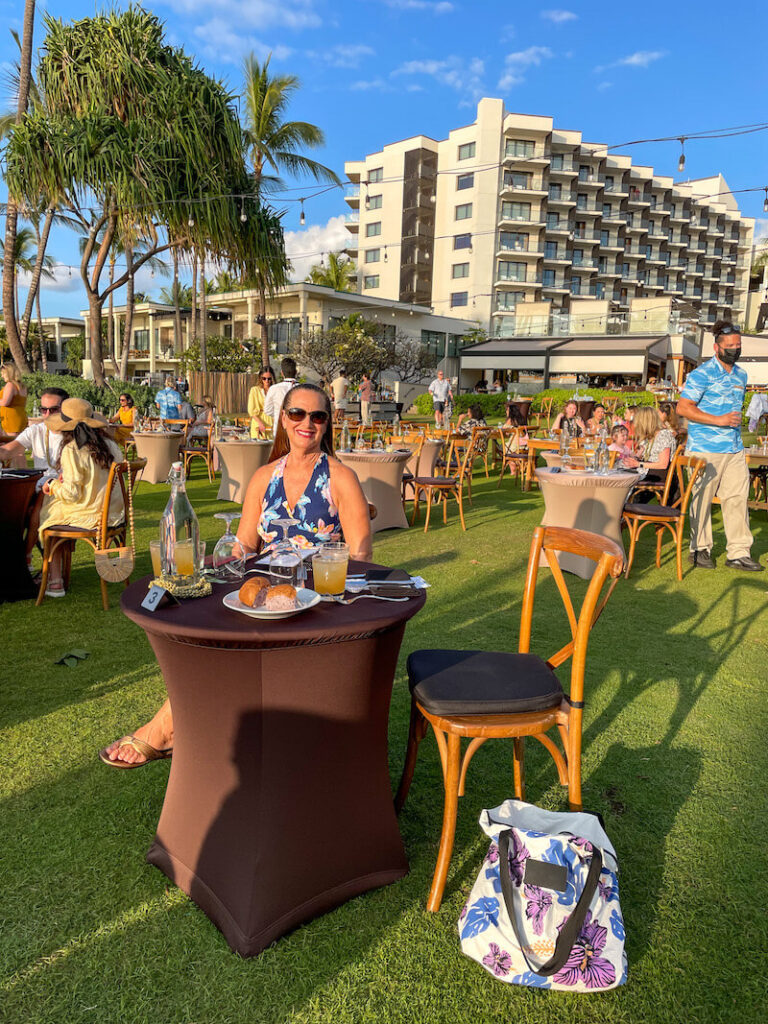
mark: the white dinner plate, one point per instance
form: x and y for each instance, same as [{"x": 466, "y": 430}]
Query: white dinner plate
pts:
[{"x": 305, "y": 599}]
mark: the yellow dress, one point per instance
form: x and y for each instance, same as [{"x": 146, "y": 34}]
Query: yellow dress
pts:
[
  {"x": 256, "y": 398},
  {"x": 77, "y": 498},
  {"x": 126, "y": 417},
  {"x": 13, "y": 417}
]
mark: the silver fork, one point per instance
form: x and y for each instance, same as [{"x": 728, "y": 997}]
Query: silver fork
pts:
[{"x": 361, "y": 597}]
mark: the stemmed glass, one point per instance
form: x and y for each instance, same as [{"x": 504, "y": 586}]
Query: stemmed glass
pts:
[
  {"x": 284, "y": 559},
  {"x": 229, "y": 554}
]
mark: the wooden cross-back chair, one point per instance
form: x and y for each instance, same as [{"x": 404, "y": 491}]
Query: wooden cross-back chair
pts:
[
  {"x": 543, "y": 414},
  {"x": 441, "y": 488},
  {"x": 184, "y": 424},
  {"x": 513, "y": 446},
  {"x": 484, "y": 695},
  {"x": 665, "y": 516},
  {"x": 63, "y": 537},
  {"x": 204, "y": 451}
]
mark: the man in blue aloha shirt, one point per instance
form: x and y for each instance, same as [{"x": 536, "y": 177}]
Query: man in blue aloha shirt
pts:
[
  {"x": 169, "y": 401},
  {"x": 711, "y": 401}
]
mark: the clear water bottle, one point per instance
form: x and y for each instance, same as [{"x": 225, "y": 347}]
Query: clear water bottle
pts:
[
  {"x": 179, "y": 535},
  {"x": 346, "y": 443},
  {"x": 217, "y": 428},
  {"x": 396, "y": 426}
]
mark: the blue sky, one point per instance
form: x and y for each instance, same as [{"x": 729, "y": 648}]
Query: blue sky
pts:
[{"x": 374, "y": 71}]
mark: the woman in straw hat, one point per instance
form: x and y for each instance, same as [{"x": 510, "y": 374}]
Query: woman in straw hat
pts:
[{"x": 76, "y": 497}]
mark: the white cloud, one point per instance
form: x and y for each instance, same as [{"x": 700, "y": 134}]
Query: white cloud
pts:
[
  {"x": 65, "y": 279},
  {"x": 761, "y": 230},
  {"x": 639, "y": 59},
  {"x": 252, "y": 14},
  {"x": 305, "y": 246},
  {"x": 435, "y": 6},
  {"x": 344, "y": 55},
  {"x": 516, "y": 64},
  {"x": 559, "y": 17},
  {"x": 506, "y": 33},
  {"x": 371, "y": 84},
  {"x": 465, "y": 76},
  {"x": 605, "y": 85},
  {"x": 220, "y": 40}
]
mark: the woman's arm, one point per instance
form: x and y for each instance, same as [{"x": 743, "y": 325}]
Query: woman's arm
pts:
[
  {"x": 353, "y": 511},
  {"x": 558, "y": 421},
  {"x": 70, "y": 485},
  {"x": 248, "y": 528},
  {"x": 7, "y": 394}
]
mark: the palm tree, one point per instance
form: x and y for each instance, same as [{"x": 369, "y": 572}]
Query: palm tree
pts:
[
  {"x": 340, "y": 274},
  {"x": 274, "y": 142},
  {"x": 177, "y": 292},
  {"x": 22, "y": 258}
]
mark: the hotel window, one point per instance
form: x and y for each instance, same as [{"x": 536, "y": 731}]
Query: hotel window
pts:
[
  {"x": 581, "y": 201},
  {"x": 550, "y": 251},
  {"x": 625, "y": 270},
  {"x": 519, "y": 147},
  {"x": 517, "y": 179},
  {"x": 515, "y": 211},
  {"x": 374, "y": 202},
  {"x": 553, "y": 220},
  {"x": 555, "y": 191},
  {"x": 513, "y": 240},
  {"x": 585, "y": 172},
  {"x": 605, "y": 238},
  {"x": 609, "y": 183},
  {"x": 599, "y": 290},
  {"x": 467, "y": 151},
  {"x": 462, "y": 241},
  {"x": 460, "y": 270},
  {"x": 373, "y": 229},
  {"x": 578, "y": 256},
  {"x": 463, "y": 212},
  {"x": 377, "y": 174},
  {"x": 548, "y": 278},
  {"x": 575, "y": 286},
  {"x": 580, "y": 229},
  {"x": 602, "y": 264},
  {"x": 607, "y": 210},
  {"x": 459, "y": 299},
  {"x": 141, "y": 340},
  {"x": 511, "y": 271},
  {"x": 557, "y": 162},
  {"x": 465, "y": 181},
  {"x": 372, "y": 255},
  {"x": 371, "y": 282}
]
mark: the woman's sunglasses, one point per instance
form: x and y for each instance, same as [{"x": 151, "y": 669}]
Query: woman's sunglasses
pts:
[
  {"x": 318, "y": 417},
  {"x": 271, "y": 380}
]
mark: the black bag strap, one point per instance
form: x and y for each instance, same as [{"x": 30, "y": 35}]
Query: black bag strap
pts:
[{"x": 570, "y": 930}]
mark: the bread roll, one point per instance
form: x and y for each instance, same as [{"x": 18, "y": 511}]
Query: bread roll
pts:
[
  {"x": 254, "y": 591},
  {"x": 281, "y": 598}
]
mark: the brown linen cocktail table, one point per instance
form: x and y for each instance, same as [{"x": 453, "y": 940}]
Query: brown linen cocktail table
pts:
[
  {"x": 381, "y": 477},
  {"x": 238, "y": 461},
  {"x": 17, "y": 493},
  {"x": 160, "y": 450},
  {"x": 278, "y": 805}
]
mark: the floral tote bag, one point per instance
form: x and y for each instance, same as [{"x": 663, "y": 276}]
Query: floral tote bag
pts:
[{"x": 544, "y": 910}]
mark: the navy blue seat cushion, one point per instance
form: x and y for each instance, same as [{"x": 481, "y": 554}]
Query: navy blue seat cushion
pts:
[
  {"x": 482, "y": 682},
  {"x": 652, "y": 510}
]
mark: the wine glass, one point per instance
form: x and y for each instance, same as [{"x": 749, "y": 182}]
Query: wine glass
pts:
[
  {"x": 229, "y": 554},
  {"x": 284, "y": 559}
]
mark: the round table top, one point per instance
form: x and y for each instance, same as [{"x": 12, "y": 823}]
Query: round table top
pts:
[
  {"x": 158, "y": 433},
  {"x": 241, "y": 441},
  {"x": 374, "y": 456},
  {"x": 581, "y": 478},
  {"x": 205, "y": 622}
]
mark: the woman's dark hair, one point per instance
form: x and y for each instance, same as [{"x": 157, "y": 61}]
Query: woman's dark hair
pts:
[
  {"x": 515, "y": 416},
  {"x": 281, "y": 445},
  {"x": 91, "y": 439},
  {"x": 476, "y": 412},
  {"x": 128, "y": 398},
  {"x": 597, "y": 405}
]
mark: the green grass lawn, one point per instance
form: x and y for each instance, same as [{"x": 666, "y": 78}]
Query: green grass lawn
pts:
[{"x": 674, "y": 759}]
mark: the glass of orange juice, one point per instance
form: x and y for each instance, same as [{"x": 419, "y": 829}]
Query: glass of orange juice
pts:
[
  {"x": 329, "y": 568},
  {"x": 184, "y": 557},
  {"x": 154, "y": 551}
]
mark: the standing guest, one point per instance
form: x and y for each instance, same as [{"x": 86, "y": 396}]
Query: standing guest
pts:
[
  {"x": 441, "y": 392},
  {"x": 597, "y": 421},
  {"x": 126, "y": 417},
  {"x": 45, "y": 446},
  {"x": 570, "y": 420},
  {"x": 169, "y": 401},
  {"x": 261, "y": 424},
  {"x": 339, "y": 388},
  {"x": 365, "y": 394},
  {"x": 273, "y": 403},
  {"x": 13, "y": 401},
  {"x": 711, "y": 401},
  {"x": 76, "y": 496},
  {"x": 203, "y": 420}
]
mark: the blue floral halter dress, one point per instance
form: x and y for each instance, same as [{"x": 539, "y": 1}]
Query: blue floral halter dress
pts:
[{"x": 316, "y": 515}]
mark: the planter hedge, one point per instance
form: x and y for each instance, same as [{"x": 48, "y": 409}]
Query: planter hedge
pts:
[{"x": 78, "y": 387}]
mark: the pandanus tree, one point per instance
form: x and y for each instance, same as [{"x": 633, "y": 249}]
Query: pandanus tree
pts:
[
  {"x": 133, "y": 139},
  {"x": 275, "y": 143}
]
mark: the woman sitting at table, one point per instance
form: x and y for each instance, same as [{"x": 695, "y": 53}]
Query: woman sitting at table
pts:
[
  {"x": 570, "y": 420},
  {"x": 514, "y": 417},
  {"x": 467, "y": 421},
  {"x": 13, "y": 402},
  {"x": 597, "y": 422},
  {"x": 303, "y": 481},
  {"x": 654, "y": 444},
  {"x": 203, "y": 420},
  {"x": 76, "y": 497},
  {"x": 126, "y": 416},
  {"x": 671, "y": 420},
  {"x": 261, "y": 425}
]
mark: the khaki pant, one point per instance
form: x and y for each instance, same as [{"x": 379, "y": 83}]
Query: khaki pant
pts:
[{"x": 725, "y": 475}]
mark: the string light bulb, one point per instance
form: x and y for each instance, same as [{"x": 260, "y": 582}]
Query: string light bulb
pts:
[
  {"x": 765, "y": 201},
  {"x": 302, "y": 216},
  {"x": 243, "y": 214},
  {"x": 191, "y": 221},
  {"x": 681, "y": 161},
  {"x": 385, "y": 254}
]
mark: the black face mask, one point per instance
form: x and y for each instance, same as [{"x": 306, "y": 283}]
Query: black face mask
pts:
[{"x": 728, "y": 355}]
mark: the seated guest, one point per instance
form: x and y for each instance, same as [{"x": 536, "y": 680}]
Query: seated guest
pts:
[
  {"x": 186, "y": 412},
  {"x": 326, "y": 499},
  {"x": 597, "y": 421},
  {"x": 620, "y": 441},
  {"x": 13, "y": 401},
  {"x": 126, "y": 416},
  {"x": 481, "y": 388},
  {"x": 76, "y": 496},
  {"x": 203, "y": 420},
  {"x": 654, "y": 443},
  {"x": 670, "y": 419},
  {"x": 514, "y": 417},
  {"x": 467, "y": 421},
  {"x": 570, "y": 420}
]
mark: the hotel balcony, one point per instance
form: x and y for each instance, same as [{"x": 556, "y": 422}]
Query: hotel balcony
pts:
[
  {"x": 352, "y": 196},
  {"x": 352, "y": 220}
]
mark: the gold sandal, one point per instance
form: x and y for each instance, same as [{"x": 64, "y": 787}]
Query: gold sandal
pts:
[{"x": 150, "y": 753}]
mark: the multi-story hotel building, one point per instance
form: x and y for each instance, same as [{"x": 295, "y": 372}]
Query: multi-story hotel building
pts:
[{"x": 512, "y": 210}]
